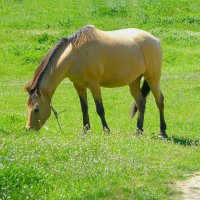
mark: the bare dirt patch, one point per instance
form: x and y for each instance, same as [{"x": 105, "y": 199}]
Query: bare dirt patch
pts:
[{"x": 190, "y": 188}]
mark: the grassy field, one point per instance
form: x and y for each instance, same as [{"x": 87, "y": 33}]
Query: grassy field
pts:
[{"x": 52, "y": 165}]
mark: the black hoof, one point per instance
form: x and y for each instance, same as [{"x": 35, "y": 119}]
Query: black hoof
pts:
[
  {"x": 86, "y": 128},
  {"x": 106, "y": 130},
  {"x": 163, "y": 135},
  {"x": 139, "y": 131}
]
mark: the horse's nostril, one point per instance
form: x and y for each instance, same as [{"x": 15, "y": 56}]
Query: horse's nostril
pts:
[{"x": 28, "y": 128}]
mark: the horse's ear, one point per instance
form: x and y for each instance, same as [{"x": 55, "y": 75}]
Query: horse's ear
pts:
[
  {"x": 28, "y": 87},
  {"x": 38, "y": 92},
  {"x": 34, "y": 92}
]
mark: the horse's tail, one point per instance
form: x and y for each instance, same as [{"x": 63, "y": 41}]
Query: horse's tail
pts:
[{"x": 145, "y": 91}]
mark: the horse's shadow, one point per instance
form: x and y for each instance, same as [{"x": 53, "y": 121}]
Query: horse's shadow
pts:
[{"x": 184, "y": 141}]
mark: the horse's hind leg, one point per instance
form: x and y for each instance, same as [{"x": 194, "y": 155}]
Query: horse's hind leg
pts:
[
  {"x": 145, "y": 91},
  {"x": 155, "y": 88},
  {"x": 140, "y": 102},
  {"x": 96, "y": 93},
  {"x": 82, "y": 93}
]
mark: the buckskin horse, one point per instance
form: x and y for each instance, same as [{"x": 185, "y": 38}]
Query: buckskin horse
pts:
[{"x": 92, "y": 58}]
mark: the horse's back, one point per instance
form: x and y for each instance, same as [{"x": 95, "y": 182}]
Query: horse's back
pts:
[
  {"x": 128, "y": 53},
  {"x": 117, "y": 58},
  {"x": 134, "y": 42}
]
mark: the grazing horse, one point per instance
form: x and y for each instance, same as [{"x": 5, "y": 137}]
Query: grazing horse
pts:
[{"x": 92, "y": 58}]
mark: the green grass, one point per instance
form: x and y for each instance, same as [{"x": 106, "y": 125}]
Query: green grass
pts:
[{"x": 52, "y": 165}]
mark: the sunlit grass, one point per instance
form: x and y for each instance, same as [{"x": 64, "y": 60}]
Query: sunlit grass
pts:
[{"x": 71, "y": 165}]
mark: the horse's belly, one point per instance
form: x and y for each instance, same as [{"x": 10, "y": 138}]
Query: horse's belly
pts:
[
  {"x": 114, "y": 83},
  {"x": 118, "y": 78}
]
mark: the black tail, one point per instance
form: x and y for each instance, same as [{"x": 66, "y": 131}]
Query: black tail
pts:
[{"x": 145, "y": 91}]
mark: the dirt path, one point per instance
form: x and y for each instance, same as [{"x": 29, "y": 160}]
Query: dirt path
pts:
[{"x": 190, "y": 188}]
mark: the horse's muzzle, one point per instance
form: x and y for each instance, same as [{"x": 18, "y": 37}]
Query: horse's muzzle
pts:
[{"x": 29, "y": 128}]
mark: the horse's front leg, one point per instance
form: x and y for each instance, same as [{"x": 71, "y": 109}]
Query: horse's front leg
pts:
[
  {"x": 82, "y": 93},
  {"x": 96, "y": 93}
]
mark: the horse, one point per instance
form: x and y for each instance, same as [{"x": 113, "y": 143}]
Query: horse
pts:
[{"x": 91, "y": 59}]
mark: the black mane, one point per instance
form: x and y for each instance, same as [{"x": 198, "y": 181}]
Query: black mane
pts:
[{"x": 33, "y": 85}]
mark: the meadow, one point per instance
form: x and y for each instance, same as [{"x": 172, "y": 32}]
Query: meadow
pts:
[{"x": 123, "y": 165}]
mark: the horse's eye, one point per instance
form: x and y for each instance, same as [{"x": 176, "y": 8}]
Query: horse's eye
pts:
[{"x": 36, "y": 110}]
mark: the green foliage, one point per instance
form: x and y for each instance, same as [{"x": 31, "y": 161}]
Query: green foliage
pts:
[{"x": 51, "y": 165}]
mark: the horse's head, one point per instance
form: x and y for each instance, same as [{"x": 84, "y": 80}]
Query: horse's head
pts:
[{"x": 39, "y": 109}]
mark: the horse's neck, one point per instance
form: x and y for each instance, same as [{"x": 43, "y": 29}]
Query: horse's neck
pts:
[{"x": 57, "y": 71}]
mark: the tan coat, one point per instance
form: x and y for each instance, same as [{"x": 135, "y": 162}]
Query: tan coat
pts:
[{"x": 92, "y": 58}]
